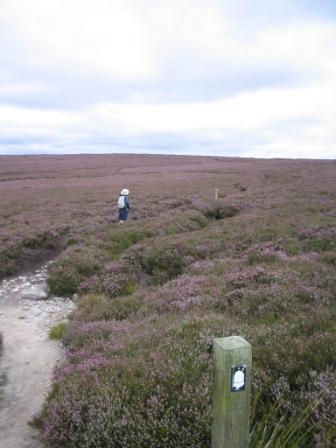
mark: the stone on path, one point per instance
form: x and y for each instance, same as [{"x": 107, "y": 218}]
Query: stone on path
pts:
[{"x": 36, "y": 292}]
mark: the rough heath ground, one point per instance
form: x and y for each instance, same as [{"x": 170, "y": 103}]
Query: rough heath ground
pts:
[{"x": 259, "y": 262}]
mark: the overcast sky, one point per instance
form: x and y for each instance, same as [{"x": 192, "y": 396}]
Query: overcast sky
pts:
[{"x": 250, "y": 78}]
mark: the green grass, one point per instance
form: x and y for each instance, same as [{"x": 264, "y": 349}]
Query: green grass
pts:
[
  {"x": 276, "y": 428},
  {"x": 58, "y": 331}
]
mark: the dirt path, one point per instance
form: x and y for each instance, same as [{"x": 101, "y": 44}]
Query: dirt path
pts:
[{"x": 28, "y": 356}]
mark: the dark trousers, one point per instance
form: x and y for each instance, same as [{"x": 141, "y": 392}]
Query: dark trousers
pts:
[{"x": 123, "y": 214}]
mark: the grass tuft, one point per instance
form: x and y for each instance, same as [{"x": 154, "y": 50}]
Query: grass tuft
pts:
[{"x": 58, "y": 331}]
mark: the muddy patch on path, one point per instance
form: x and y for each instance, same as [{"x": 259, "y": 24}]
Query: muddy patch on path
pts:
[{"x": 28, "y": 356}]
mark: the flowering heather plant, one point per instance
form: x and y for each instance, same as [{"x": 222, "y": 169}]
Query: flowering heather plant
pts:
[
  {"x": 115, "y": 279},
  {"x": 168, "y": 257},
  {"x": 87, "y": 364},
  {"x": 130, "y": 400},
  {"x": 266, "y": 252},
  {"x": 118, "y": 277},
  {"x": 79, "y": 334},
  {"x": 259, "y": 262},
  {"x": 180, "y": 294},
  {"x": 95, "y": 307},
  {"x": 256, "y": 274},
  {"x": 316, "y": 239},
  {"x": 74, "y": 265}
]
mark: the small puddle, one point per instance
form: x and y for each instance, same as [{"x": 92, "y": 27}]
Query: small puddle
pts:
[{"x": 28, "y": 356}]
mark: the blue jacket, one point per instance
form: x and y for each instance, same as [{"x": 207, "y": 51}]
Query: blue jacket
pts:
[{"x": 127, "y": 204}]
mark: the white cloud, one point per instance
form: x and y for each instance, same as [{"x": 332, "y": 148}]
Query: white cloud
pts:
[
  {"x": 12, "y": 88},
  {"x": 306, "y": 128},
  {"x": 272, "y": 82},
  {"x": 148, "y": 39},
  {"x": 244, "y": 112},
  {"x": 102, "y": 37}
]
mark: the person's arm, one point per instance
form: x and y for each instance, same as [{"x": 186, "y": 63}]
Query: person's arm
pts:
[{"x": 127, "y": 204}]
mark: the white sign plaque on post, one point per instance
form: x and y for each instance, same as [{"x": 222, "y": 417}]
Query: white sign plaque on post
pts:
[{"x": 238, "y": 378}]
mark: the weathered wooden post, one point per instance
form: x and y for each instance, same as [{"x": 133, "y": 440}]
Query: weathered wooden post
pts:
[
  {"x": 231, "y": 393},
  {"x": 216, "y": 193}
]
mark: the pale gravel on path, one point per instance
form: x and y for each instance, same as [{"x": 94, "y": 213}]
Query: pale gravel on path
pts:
[{"x": 28, "y": 357}]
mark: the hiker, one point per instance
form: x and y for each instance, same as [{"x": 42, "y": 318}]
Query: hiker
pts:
[{"x": 123, "y": 205}]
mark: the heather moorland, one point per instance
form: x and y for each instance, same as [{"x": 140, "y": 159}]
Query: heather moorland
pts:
[{"x": 153, "y": 293}]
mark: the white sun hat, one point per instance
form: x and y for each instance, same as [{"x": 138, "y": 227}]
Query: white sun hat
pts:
[{"x": 124, "y": 192}]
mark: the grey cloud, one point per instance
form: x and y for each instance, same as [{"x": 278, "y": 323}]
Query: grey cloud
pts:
[{"x": 187, "y": 75}]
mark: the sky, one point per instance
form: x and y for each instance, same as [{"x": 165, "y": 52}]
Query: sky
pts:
[{"x": 246, "y": 78}]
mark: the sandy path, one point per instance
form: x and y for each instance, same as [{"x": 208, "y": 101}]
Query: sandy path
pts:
[{"x": 28, "y": 356}]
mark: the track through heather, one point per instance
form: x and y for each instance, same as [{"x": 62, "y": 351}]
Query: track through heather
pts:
[{"x": 28, "y": 355}]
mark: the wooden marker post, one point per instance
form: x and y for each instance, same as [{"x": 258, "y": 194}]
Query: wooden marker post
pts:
[{"x": 231, "y": 393}]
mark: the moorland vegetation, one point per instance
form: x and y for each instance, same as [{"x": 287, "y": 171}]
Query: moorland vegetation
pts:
[{"x": 259, "y": 262}]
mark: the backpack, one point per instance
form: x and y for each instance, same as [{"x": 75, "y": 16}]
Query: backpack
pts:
[{"x": 121, "y": 202}]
